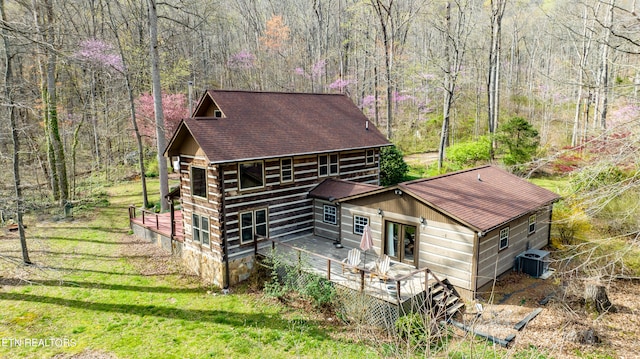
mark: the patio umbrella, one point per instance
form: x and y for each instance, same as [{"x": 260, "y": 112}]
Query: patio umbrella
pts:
[{"x": 366, "y": 242}]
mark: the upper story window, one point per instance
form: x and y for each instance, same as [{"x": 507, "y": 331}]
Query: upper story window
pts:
[
  {"x": 532, "y": 223},
  {"x": 370, "y": 156},
  {"x": 328, "y": 165},
  {"x": 286, "y": 170},
  {"x": 198, "y": 182},
  {"x": 330, "y": 214},
  {"x": 251, "y": 175},
  {"x": 504, "y": 238}
]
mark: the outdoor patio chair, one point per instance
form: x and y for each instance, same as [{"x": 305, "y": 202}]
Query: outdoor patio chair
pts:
[
  {"x": 382, "y": 266},
  {"x": 353, "y": 259}
]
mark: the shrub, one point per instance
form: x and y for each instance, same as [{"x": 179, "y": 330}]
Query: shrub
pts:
[
  {"x": 420, "y": 331},
  {"x": 595, "y": 177},
  {"x": 468, "y": 154},
  {"x": 151, "y": 169},
  {"x": 319, "y": 291},
  {"x": 393, "y": 168},
  {"x": 570, "y": 222}
]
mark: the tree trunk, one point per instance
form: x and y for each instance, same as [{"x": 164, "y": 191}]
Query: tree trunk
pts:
[
  {"x": 157, "y": 104},
  {"x": 8, "y": 81},
  {"x": 448, "y": 89},
  {"x": 493, "y": 83},
  {"x": 596, "y": 298},
  {"x": 132, "y": 109}
]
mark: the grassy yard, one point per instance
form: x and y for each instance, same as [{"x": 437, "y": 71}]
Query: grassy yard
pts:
[{"x": 97, "y": 290}]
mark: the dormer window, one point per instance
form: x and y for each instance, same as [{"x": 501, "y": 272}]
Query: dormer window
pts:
[{"x": 217, "y": 113}]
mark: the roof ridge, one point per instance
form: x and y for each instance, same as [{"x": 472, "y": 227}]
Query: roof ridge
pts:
[
  {"x": 444, "y": 175},
  {"x": 277, "y": 92}
]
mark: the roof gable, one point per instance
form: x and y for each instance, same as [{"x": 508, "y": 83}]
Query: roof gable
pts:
[
  {"x": 484, "y": 197},
  {"x": 273, "y": 124}
]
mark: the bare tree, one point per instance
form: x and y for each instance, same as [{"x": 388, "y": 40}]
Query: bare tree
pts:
[
  {"x": 455, "y": 47},
  {"x": 493, "y": 82},
  {"x": 157, "y": 95},
  {"x": 127, "y": 78},
  {"x": 10, "y": 108}
]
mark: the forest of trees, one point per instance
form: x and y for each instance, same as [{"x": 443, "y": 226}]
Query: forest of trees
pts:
[{"x": 79, "y": 76}]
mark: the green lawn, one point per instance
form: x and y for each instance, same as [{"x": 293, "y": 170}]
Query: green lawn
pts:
[{"x": 99, "y": 289}]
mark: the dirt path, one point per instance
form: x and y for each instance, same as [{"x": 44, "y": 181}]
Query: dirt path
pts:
[{"x": 423, "y": 159}]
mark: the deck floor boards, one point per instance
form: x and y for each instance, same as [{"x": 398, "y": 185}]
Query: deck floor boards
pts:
[
  {"x": 317, "y": 252},
  {"x": 161, "y": 223}
]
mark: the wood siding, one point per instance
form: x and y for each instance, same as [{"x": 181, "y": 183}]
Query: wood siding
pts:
[
  {"x": 519, "y": 241},
  {"x": 209, "y": 206},
  {"x": 320, "y": 227},
  {"x": 290, "y": 211},
  {"x": 444, "y": 246}
]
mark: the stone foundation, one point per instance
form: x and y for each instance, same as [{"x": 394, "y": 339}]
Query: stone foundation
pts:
[{"x": 211, "y": 269}]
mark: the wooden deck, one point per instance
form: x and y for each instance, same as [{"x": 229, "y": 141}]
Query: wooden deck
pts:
[
  {"x": 159, "y": 222},
  {"x": 318, "y": 255}
]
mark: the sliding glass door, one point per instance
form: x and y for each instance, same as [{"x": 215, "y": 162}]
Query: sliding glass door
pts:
[{"x": 400, "y": 242}]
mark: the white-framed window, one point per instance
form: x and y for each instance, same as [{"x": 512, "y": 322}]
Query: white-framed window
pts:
[
  {"x": 504, "y": 238},
  {"x": 358, "y": 224},
  {"x": 532, "y": 223},
  {"x": 286, "y": 170},
  {"x": 198, "y": 181},
  {"x": 330, "y": 214},
  {"x": 251, "y": 175},
  {"x": 370, "y": 156},
  {"x": 200, "y": 229},
  {"x": 328, "y": 165},
  {"x": 253, "y": 223}
]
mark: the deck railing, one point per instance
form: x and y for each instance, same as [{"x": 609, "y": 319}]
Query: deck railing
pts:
[
  {"x": 362, "y": 272},
  {"x": 151, "y": 219}
]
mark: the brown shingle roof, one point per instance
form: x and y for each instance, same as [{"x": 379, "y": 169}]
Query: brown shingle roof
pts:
[
  {"x": 271, "y": 124},
  {"x": 336, "y": 189},
  {"x": 484, "y": 197}
]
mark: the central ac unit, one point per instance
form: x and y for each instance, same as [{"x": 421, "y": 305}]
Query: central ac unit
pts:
[{"x": 533, "y": 262}]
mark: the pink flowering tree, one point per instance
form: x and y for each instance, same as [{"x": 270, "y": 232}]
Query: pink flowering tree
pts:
[
  {"x": 243, "y": 60},
  {"x": 99, "y": 53},
  {"x": 174, "y": 108},
  {"x": 341, "y": 85},
  {"x": 314, "y": 74},
  {"x": 368, "y": 105},
  {"x": 317, "y": 70}
]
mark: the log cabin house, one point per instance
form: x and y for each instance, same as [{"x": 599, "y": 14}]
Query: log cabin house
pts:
[
  {"x": 247, "y": 162},
  {"x": 291, "y": 166}
]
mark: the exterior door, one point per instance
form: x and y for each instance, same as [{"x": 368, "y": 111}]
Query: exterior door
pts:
[{"x": 400, "y": 242}]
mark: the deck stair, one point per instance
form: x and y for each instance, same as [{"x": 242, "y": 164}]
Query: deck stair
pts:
[{"x": 443, "y": 300}]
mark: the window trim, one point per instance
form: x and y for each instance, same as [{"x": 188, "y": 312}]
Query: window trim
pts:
[
  {"x": 253, "y": 224},
  {"x": 197, "y": 229},
  {"x": 328, "y": 165},
  {"x": 356, "y": 225},
  {"x": 532, "y": 223},
  {"x": 370, "y": 159},
  {"x": 191, "y": 178},
  {"x": 282, "y": 170},
  {"x": 500, "y": 238},
  {"x": 334, "y": 214},
  {"x": 240, "y": 188}
]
